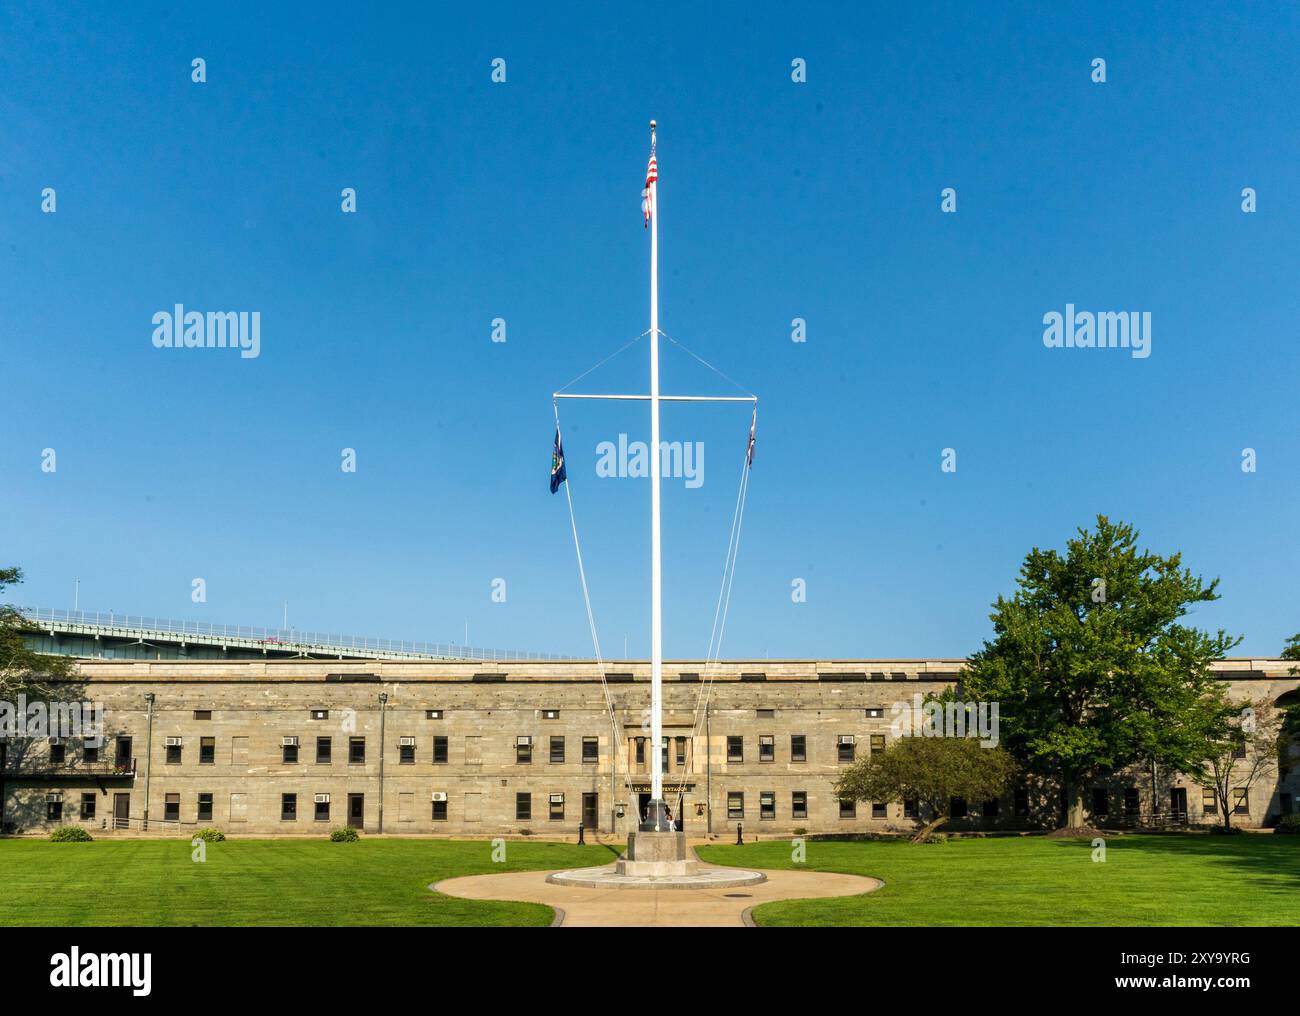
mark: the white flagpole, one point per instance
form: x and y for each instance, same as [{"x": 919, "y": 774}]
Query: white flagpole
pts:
[{"x": 656, "y": 578}]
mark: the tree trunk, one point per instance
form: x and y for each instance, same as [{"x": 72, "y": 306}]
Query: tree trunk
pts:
[{"x": 927, "y": 830}]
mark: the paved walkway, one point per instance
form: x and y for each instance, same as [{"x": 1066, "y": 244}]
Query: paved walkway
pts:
[{"x": 579, "y": 907}]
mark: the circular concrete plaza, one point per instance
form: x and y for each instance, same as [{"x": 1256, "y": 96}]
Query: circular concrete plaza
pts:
[{"x": 723, "y": 901}]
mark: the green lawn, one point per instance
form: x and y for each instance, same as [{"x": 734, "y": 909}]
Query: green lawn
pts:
[
  {"x": 277, "y": 882},
  {"x": 1193, "y": 880}
]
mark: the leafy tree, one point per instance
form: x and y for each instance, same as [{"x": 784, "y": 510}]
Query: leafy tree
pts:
[
  {"x": 1242, "y": 748},
  {"x": 1091, "y": 667},
  {"x": 23, "y": 671},
  {"x": 931, "y": 770}
]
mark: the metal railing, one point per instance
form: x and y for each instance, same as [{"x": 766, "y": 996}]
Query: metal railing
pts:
[
  {"x": 43, "y": 768},
  {"x": 289, "y": 639}
]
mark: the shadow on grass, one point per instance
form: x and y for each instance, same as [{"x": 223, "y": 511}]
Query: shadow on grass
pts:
[{"x": 1256, "y": 854}]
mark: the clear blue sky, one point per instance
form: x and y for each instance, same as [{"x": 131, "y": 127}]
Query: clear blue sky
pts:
[{"x": 521, "y": 200}]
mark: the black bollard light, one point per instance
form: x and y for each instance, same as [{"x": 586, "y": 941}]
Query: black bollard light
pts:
[
  {"x": 740, "y": 840},
  {"x": 581, "y": 841}
]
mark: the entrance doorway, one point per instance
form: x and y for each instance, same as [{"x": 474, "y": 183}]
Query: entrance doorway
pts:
[
  {"x": 357, "y": 811},
  {"x": 591, "y": 811},
  {"x": 676, "y": 805},
  {"x": 121, "y": 811},
  {"x": 1178, "y": 803}
]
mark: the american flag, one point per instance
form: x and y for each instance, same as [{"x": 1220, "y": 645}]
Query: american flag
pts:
[
  {"x": 749, "y": 451},
  {"x": 651, "y": 175}
]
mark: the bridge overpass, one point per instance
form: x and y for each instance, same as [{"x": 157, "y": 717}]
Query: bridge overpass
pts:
[{"x": 95, "y": 635}]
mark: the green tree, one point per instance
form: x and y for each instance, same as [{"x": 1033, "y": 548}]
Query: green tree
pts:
[
  {"x": 930, "y": 770},
  {"x": 1242, "y": 749},
  {"x": 1091, "y": 667},
  {"x": 22, "y": 670}
]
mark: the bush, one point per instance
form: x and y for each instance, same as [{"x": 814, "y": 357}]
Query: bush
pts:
[
  {"x": 210, "y": 836},
  {"x": 1288, "y": 825},
  {"x": 70, "y": 834},
  {"x": 800, "y": 831},
  {"x": 1218, "y": 830},
  {"x": 345, "y": 835}
]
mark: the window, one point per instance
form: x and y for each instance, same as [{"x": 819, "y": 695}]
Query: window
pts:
[
  {"x": 356, "y": 750},
  {"x": 1100, "y": 801},
  {"x": 767, "y": 804},
  {"x": 1022, "y": 801},
  {"x": 640, "y": 751},
  {"x": 1239, "y": 746},
  {"x": 440, "y": 808},
  {"x": 798, "y": 747},
  {"x": 173, "y": 751},
  {"x": 320, "y": 714},
  {"x": 440, "y": 750},
  {"x": 550, "y": 714},
  {"x": 845, "y": 744},
  {"x": 799, "y": 804},
  {"x": 590, "y": 750},
  {"x": 735, "y": 748},
  {"x": 524, "y": 807},
  {"x": 523, "y": 750},
  {"x": 766, "y": 714},
  {"x": 990, "y": 808},
  {"x": 848, "y": 807},
  {"x": 207, "y": 751},
  {"x": 324, "y": 750},
  {"x": 557, "y": 749},
  {"x": 54, "y": 806},
  {"x": 87, "y": 806},
  {"x": 172, "y": 808},
  {"x": 58, "y": 752},
  {"x": 735, "y": 804},
  {"x": 958, "y": 807},
  {"x": 1209, "y": 801},
  {"x": 681, "y": 751},
  {"x": 90, "y": 752},
  {"x": 288, "y": 807},
  {"x": 875, "y": 712},
  {"x": 322, "y": 808},
  {"x": 1240, "y": 804},
  {"x": 663, "y": 755},
  {"x": 434, "y": 714},
  {"x": 879, "y": 809},
  {"x": 877, "y": 743},
  {"x": 123, "y": 751},
  {"x": 204, "y": 813},
  {"x": 910, "y": 808},
  {"x": 289, "y": 750},
  {"x": 766, "y": 747},
  {"x": 557, "y": 807},
  {"x": 203, "y": 714},
  {"x": 406, "y": 751},
  {"x": 1131, "y": 801}
]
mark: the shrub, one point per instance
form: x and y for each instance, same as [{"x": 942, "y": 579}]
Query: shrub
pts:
[
  {"x": 210, "y": 836},
  {"x": 345, "y": 835},
  {"x": 70, "y": 834},
  {"x": 1218, "y": 830},
  {"x": 1288, "y": 825},
  {"x": 800, "y": 831}
]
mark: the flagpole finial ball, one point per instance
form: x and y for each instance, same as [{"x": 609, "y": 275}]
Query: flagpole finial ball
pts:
[{"x": 652, "y": 125}]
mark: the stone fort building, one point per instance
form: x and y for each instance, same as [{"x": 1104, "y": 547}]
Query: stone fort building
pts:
[{"x": 264, "y": 746}]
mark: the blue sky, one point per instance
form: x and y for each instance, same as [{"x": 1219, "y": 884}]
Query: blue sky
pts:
[{"x": 521, "y": 200}]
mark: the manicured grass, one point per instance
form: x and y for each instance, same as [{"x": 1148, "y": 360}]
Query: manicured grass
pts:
[
  {"x": 1145, "y": 880},
  {"x": 266, "y": 882}
]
